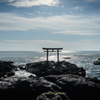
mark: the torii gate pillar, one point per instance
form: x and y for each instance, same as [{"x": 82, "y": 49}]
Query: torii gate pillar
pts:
[{"x": 53, "y": 50}]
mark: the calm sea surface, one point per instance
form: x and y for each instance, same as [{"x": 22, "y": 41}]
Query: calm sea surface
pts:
[{"x": 83, "y": 59}]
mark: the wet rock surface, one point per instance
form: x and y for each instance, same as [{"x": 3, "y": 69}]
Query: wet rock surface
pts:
[
  {"x": 97, "y": 62},
  {"x": 6, "y": 68},
  {"x": 52, "y": 96},
  {"x": 21, "y": 67},
  {"x": 54, "y": 68},
  {"x": 67, "y": 57},
  {"x": 98, "y": 58},
  {"x": 68, "y": 80},
  {"x": 76, "y": 87},
  {"x": 27, "y": 89}
]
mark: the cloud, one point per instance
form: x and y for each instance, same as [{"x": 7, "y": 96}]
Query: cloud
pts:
[
  {"x": 63, "y": 24},
  {"x": 62, "y": 6},
  {"x": 91, "y": 0},
  {"x": 87, "y": 40},
  {"x": 35, "y": 41},
  {"x": 77, "y": 8},
  {"x": 7, "y": 0},
  {"x": 87, "y": 44},
  {"x": 76, "y": 33},
  {"x": 29, "y": 3},
  {"x": 31, "y": 44},
  {"x": 10, "y": 0}
]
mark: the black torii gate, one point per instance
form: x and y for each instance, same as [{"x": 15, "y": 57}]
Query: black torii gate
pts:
[{"x": 53, "y": 50}]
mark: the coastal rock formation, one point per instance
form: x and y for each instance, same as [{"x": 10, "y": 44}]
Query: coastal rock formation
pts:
[
  {"x": 63, "y": 81},
  {"x": 21, "y": 67},
  {"x": 26, "y": 89},
  {"x": 98, "y": 58},
  {"x": 54, "y": 68},
  {"x": 52, "y": 96},
  {"x": 6, "y": 68},
  {"x": 74, "y": 86},
  {"x": 97, "y": 62},
  {"x": 67, "y": 57}
]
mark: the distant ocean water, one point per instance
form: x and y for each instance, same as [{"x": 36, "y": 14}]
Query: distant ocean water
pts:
[{"x": 83, "y": 59}]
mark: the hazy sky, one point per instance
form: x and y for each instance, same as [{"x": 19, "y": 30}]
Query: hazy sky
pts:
[{"x": 29, "y": 25}]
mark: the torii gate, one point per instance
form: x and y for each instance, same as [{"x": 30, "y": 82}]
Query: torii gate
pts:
[{"x": 53, "y": 50}]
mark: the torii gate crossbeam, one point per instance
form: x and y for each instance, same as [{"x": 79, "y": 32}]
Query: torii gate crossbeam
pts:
[{"x": 53, "y": 50}]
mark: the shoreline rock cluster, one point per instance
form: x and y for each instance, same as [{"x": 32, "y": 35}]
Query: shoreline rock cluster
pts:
[
  {"x": 53, "y": 68},
  {"x": 7, "y": 68},
  {"x": 97, "y": 62},
  {"x": 53, "y": 81}
]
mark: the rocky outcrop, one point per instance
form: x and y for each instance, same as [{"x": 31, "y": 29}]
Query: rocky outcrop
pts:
[
  {"x": 6, "y": 68},
  {"x": 21, "y": 67},
  {"x": 67, "y": 57},
  {"x": 54, "y": 68},
  {"x": 98, "y": 58},
  {"x": 74, "y": 86},
  {"x": 27, "y": 89},
  {"x": 97, "y": 62},
  {"x": 52, "y": 96},
  {"x": 54, "y": 81}
]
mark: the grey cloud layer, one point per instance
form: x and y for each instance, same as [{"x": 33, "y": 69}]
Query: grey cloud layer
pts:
[{"x": 63, "y": 24}]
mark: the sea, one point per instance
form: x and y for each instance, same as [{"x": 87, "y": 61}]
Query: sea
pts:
[{"x": 83, "y": 59}]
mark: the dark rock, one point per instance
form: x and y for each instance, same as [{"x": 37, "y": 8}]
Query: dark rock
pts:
[
  {"x": 42, "y": 85},
  {"x": 97, "y": 62},
  {"x": 52, "y": 96},
  {"x": 67, "y": 57},
  {"x": 6, "y": 68},
  {"x": 11, "y": 73},
  {"x": 94, "y": 80},
  {"x": 62, "y": 77},
  {"x": 26, "y": 89},
  {"x": 98, "y": 58},
  {"x": 54, "y": 68},
  {"x": 20, "y": 90},
  {"x": 76, "y": 87},
  {"x": 22, "y": 67}
]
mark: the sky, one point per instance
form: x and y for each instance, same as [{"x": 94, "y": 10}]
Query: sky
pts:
[{"x": 29, "y": 25}]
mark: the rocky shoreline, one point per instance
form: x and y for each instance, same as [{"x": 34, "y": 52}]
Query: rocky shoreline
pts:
[
  {"x": 97, "y": 62},
  {"x": 53, "y": 81}
]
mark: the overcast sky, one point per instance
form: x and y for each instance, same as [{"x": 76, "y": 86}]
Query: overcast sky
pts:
[{"x": 29, "y": 25}]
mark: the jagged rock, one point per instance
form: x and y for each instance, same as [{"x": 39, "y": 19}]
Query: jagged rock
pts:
[
  {"x": 52, "y": 96},
  {"x": 67, "y": 57},
  {"x": 74, "y": 86},
  {"x": 97, "y": 62},
  {"x": 98, "y": 58},
  {"x": 93, "y": 79},
  {"x": 22, "y": 67},
  {"x": 54, "y": 68},
  {"x": 26, "y": 89},
  {"x": 42, "y": 85},
  {"x": 6, "y": 68},
  {"x": 63, "y": 77},
  {"x": 77, "y": 87}
]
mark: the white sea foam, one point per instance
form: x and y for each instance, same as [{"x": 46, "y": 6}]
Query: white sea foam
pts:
[{"x": 23, "y": 74}]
